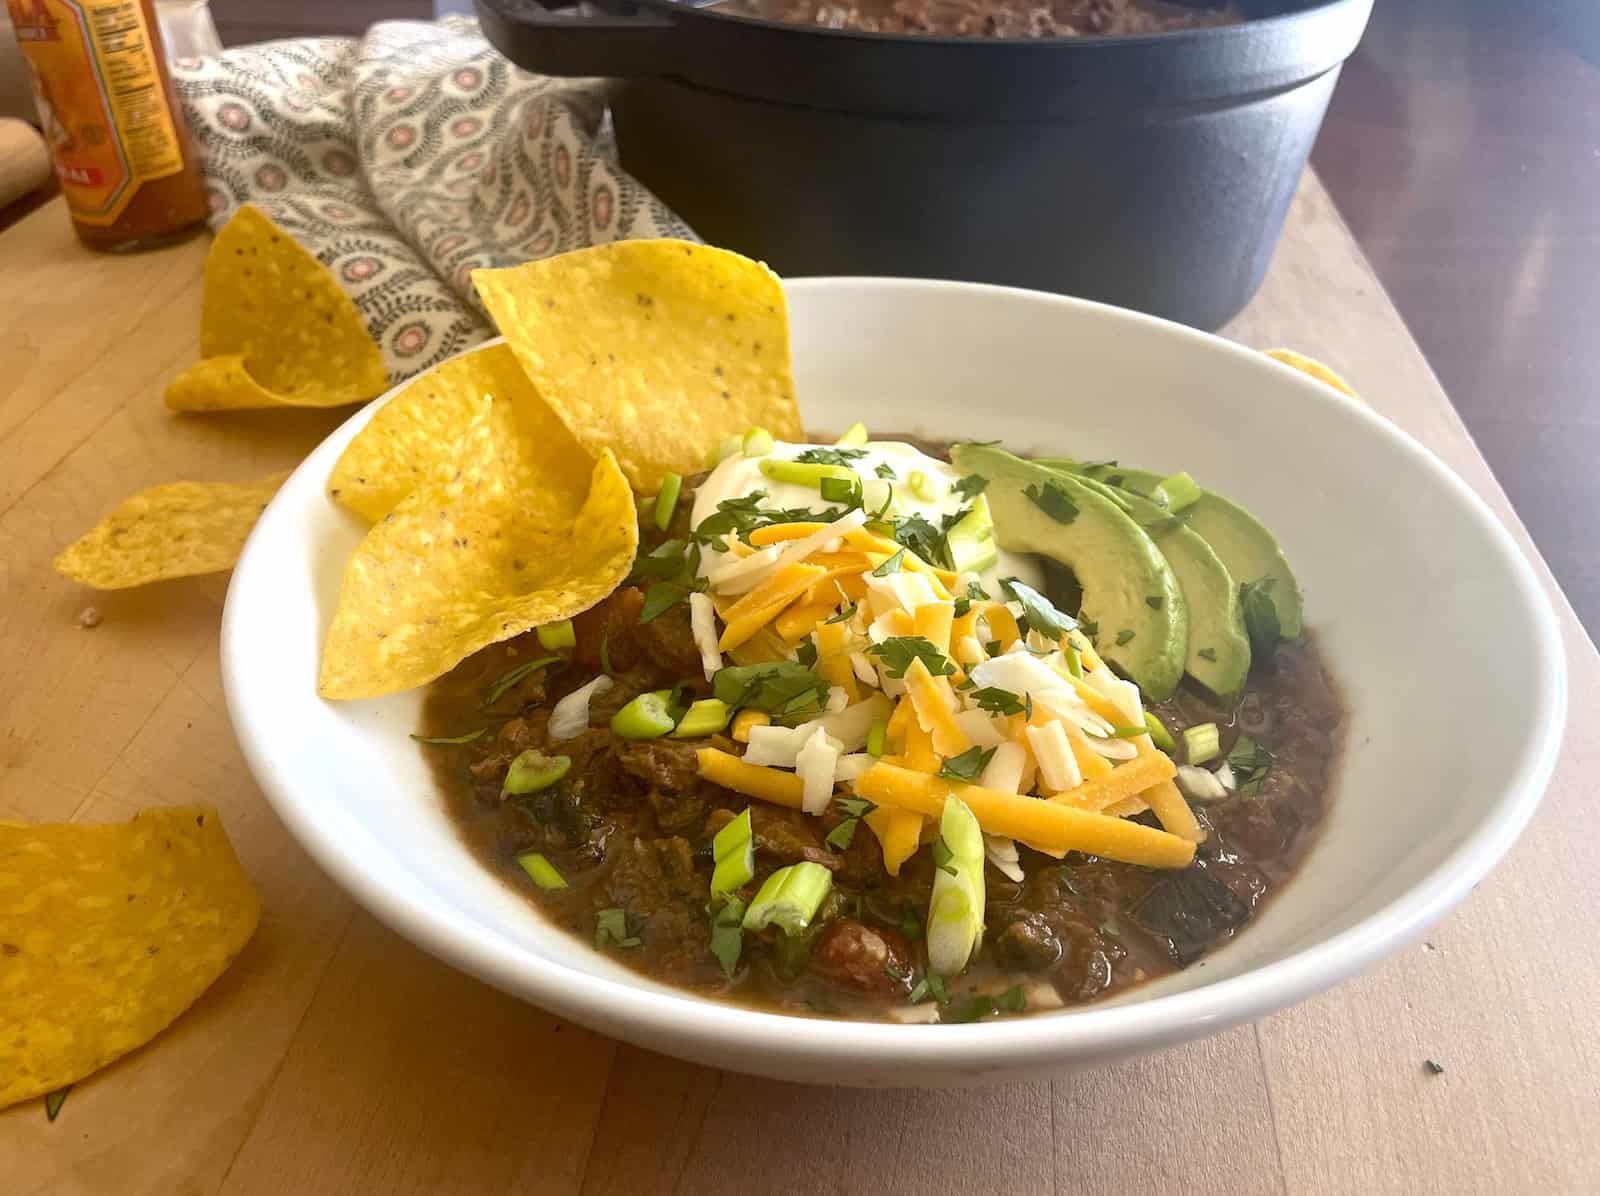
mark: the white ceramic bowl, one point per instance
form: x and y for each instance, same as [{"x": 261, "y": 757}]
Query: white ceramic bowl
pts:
[{"x": 1435, "y": 625}]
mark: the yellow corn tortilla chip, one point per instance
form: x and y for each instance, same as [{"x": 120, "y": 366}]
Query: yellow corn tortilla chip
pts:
[
  {"x": 276, "y": 328},
  {"x": 176, "y": 530},
  {"x": 466, "y": 560},
  {"x": 420, "y": 426},
  {"x": 656, "y": 350},
  {"x": 107, "y": 934},
  {"x": 1313, "y": 367}
]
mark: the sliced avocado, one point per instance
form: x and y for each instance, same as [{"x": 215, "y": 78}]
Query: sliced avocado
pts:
[
  {"x": 970, "y": 539},
  {"x": 1241, "y": 543},
  {"x": 1218, "y": 654},
  {"x": 1130, "y": 594}
]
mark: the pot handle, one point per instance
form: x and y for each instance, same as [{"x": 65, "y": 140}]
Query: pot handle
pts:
[{"x": 566, "y": 38}]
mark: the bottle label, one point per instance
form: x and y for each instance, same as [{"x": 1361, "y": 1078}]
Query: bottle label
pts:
[{"x": 101, "y": 100}]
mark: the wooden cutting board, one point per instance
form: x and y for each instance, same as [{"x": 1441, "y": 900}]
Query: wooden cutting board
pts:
[{"x": 335, "y": 1057}]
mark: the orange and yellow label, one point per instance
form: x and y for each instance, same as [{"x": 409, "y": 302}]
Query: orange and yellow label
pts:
[{"x": 100, "y": 98}]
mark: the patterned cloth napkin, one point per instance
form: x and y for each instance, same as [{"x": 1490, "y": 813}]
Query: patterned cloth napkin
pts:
[{"x": 407, "y": 158}]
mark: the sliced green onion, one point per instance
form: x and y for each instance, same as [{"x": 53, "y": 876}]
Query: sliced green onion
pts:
[
  {"x": 1074, "y": 665},
  {"x": 790, "y": 898},
  {"x": 704, "y": 717},
  {"x": 727, "y": 935},
  {"x": 955, "y": 910},
  {"x": 1159, "y": 733},
  {"x": 803, "y": 473},
  {"x": 1201, "y": 743},
  {"x": 733, "y": 848},
  {"x": 1177, "y": 491},
  {"x": 855, "y": 436},
  {"x": 556, "y": 637},
  {"x": 876, "y": 737},
  {"x": 646, "y": 717},
  {"x": 468, "y": 737},
  {"x": 757, "y": 442},
  {"x": 532, "y": 771},
  {"x": 922, "y": 486},
  {"x": 507, "y": 680},
  {"x": 541, "y": 871},
  {"x": 667, "y": 499}
]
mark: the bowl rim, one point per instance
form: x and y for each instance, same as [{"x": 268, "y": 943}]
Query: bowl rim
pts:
[{"x": 686, "y": 1024}]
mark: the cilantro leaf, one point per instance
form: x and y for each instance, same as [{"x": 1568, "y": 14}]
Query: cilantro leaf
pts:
[
  {"x": 1125, "y": 636},
  {"x": 1250, "y": 763},
  {"x": 886, "y": 471},
  {"x": 1053, "y": 500},
  {"x": 617, "y": 928},
  {"x": 967, "y": 766},
  {"x": 1260, "y": 616},
  {"x": 892, "y": 565},
  {"x": 930, "y": 987},
  {"x": 942, "y": 857},
  {"x": 897, "y": 653},
  {"x": 976, "y": 592},
  {"x": 831, "y": 456},
  {"x": 727, "y": 935},
  {"x": 997, "y": 701},
  {"x": 845, "y": 615},
  {"x": 806, "y": 653},
  {"x": 971, "y": 486},
  {"x": 921, "y": 537},
  {"x": 1040, "y": 612},
  {"x": 779, "y": 687}
]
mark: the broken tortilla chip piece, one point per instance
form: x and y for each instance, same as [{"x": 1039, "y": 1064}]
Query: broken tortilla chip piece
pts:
[
  {"x": 176, "y": 530},
  {"x": 1313, "y": 367},
  {"x": 656, "y": 350},
  {"x": 467, "y": 560},
  {"x": 276, "y": 328},
  {"x": 107, "y": 934},
  {"x": 406, "y": 439}
]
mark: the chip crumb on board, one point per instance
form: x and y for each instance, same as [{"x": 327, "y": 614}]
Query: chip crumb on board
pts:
[{"x": 89, "y": 617}]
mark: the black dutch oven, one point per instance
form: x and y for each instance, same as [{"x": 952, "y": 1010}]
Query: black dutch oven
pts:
[{"x": 1152, "y": 172}]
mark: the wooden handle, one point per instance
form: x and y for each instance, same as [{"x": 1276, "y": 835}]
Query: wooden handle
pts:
[{"x": 24, "y": 161}]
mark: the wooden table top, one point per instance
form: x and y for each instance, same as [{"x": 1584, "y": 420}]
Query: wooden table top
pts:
[{"x": 336, "y": 1057}]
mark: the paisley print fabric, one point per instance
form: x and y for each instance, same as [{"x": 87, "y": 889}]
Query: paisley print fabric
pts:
[{"x": 407, "y": 158}]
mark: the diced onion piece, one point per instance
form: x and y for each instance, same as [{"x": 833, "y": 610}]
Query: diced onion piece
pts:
[
  {"x": 981, "y": 727},
  {"x": 1224, "y": 774},
  {"x": 838, "y": 699},
  {"x": 851, "y": 766},
  {"x": 743, "y": 575},
  {"x": 815, "y": 762},
  {"x": 850, "y": 726},
  {"x": 1018, "y": 672},
  {"x": 776, "y": 746},
  {"x": 703, "y": 626},
  {"x": 863, "y": 668},
  {"x": 1111, "y": 749},
  {"x": 1124, "y": 695},
  {"x": 1004, "y": 771},
  {"x": 790, "y": 897},
  {"x": 955, "y": 909},
  {"x": 1065, "y": 704},
  {"x": 1002, "y": 853},
  {"x": 1199, "y": 785},
  {"x": 571, "y": 714},
  {"x": 1057, "y": 765}
]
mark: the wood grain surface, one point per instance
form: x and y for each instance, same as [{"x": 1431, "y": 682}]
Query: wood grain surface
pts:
[{"x": 335, "y": 1057}]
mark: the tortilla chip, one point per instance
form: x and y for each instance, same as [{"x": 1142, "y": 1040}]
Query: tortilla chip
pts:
[
  {"x": 276, "y": 328},
  {"x": 656, "y": 350},
  {"x": 420, "y": 426},
  {"x": 107, "y": 934},
  {"x": 1313, "y": 367},
  {"x": 467, "y": 559},
  {"x": 176, "y": 530}
]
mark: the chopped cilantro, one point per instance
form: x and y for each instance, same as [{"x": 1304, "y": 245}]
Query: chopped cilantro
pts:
[
  {"x": 1053, "y": 500},
  {"x": 963, "y": 605},
  {"x": 727, "y": 934},
  {"x": 662, "y": 596},
  {"x": 1260, "y": 616},
  {"x": 1069, "y": 879},
  {"x": 1154, "y": 601},
  {"x": 854, "y": 810},
  {"x": 886, "y": 471},
  {"x": 997, "y": 701},
  {"x": 1207, "y": 654},
  {"x": 992, "y": 647},
  {"x": 1040, "y": 612},
  {"x": 1013, "y": 1000},
  {"x": 831, "y": 456},
  {"x": 911, "y": 924},
  {"x": 806, "y": 653},
  {"x": 968, "y": 765},
  {"x": 921, "y": 537},
  {"x": 894, "y": 973},
  {"x": 892, "y": 565},
  {"x": 1089, "y": 627},
  {"x": 976, "y": 592},
  {"x": 971, "y": 486},
  {"x": 1250, "y": 763},
  {"x": 1125, "y": 636},
  {"x": 617, "y": 928},
  {"x": 930, "y": 988},
  {"x": 54, "y": 1100},
  {"x": 845, "y": 615},
  {"x": 897, "y": 653},
  {"x": 780, "y": 687},
  {"x": 942, "y": 855}
]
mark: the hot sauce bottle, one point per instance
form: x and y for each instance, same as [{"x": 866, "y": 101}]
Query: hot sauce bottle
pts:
[{"x": 122, "y": 152}]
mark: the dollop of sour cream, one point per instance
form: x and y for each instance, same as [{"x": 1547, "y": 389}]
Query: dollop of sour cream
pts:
[{"x": 739, "y": 476}]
